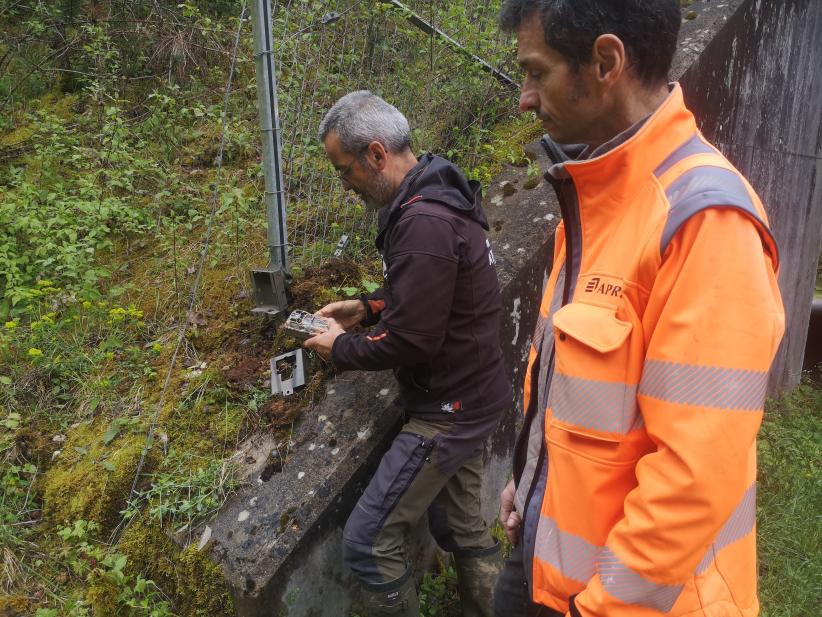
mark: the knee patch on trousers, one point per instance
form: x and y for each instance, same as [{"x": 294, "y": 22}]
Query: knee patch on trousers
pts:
[{"x": 358, "y": 557}]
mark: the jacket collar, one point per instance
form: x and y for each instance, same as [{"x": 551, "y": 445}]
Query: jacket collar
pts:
[
  {"x": 617, "y": 167},
  {"x": 405, "y": 192}
]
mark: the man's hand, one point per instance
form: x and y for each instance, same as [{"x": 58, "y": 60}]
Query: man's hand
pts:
[
  {"x": 324, "y": 341},
  {"x": 509, "y": 518},
  {"x": 347, "y": 313}
]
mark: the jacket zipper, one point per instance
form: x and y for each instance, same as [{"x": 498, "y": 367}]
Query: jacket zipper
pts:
[{"x": 571, "y": 226}]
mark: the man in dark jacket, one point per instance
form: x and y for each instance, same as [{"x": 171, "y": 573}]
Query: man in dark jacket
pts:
[{"x": 436, "y": 324}]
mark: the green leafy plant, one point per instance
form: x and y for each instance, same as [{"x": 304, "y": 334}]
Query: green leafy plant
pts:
[
  {"x": 99, "y": 564},
  {"x": 185, "y": 496},
  {"x": 79, "y": 356},
  {"x": 367, "y": 286},
  {"x": 438, "y": 592},
  {"x": 16, "y": 503},
  {"x": 64, "y": 216}
]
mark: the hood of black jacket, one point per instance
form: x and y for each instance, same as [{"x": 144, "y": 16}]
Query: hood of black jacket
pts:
[{"x": 434, "y": 179}]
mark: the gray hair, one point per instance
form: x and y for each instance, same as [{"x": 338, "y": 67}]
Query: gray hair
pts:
[{"x": 361, "y": 117}]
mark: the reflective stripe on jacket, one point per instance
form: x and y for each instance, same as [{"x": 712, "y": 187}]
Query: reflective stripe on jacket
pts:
[{"x": 636, "y": 468}]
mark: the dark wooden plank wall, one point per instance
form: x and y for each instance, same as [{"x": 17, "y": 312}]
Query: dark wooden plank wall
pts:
[{"x": 757, "y": 93}]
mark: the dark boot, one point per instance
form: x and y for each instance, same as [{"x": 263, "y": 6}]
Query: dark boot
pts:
[
  {"x": 398, "y": 599},
  {"x": 477, "y": 573}
]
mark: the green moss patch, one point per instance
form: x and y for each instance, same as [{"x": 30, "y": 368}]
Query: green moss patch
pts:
[
  {"x": 14, "y": 606},
  {"x": 91, "y": 480},
  {"x": 194, "y": 583},
  {"x": 102, "y": 598}
]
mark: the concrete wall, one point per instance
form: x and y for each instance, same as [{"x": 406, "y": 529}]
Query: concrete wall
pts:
[{"x": 757, "y": 93}]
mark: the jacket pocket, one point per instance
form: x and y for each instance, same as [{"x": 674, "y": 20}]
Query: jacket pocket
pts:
[
  {"x": 593, "y": 391},
  {"x": 591, "y": 431},
  {"x": 595, "y": 327},
  {"x": 605, "y": 450}
]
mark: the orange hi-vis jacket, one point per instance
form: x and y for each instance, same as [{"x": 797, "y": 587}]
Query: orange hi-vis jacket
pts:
[{"x": 636, "y": 466}]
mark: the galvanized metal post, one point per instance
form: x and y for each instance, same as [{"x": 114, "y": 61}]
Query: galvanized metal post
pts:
[
  {"x": 271, "y": 286},
  {"x": 270, "y": 128}
]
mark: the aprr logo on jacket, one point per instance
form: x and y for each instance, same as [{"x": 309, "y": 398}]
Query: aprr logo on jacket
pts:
[{"x": 604, "y": 287}]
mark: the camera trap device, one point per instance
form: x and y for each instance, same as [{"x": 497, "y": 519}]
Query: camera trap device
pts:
[
  {"x": 270, "y": 291},
  {"x": 303, "y": 325}
]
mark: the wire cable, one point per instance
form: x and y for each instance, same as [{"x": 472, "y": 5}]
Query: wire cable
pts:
[{"x": 196, "y": 285}]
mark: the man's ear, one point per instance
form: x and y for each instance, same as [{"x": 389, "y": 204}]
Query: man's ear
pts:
[
  {"x": 609, "y": 59},
  {"x": 377, "y": 155}
]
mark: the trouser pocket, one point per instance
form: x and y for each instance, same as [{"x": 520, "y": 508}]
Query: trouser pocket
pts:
[{"x": 403, "y": 462}]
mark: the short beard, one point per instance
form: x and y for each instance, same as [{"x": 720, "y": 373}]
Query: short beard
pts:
[{"x": 379, "y": 193}]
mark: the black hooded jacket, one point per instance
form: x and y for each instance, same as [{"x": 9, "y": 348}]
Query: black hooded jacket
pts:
[{"x": 438, "y": 314}]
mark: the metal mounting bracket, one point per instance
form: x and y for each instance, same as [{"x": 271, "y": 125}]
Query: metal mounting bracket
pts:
[
  {"x": 286, "y": 387},
  {"x": 330, "y": 18},
  {"x": 270, "y": 291},
  {"x": 341, "y": 246}
]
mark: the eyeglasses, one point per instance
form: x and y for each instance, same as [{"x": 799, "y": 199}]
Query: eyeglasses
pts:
[{"x": 343, "y": 172}]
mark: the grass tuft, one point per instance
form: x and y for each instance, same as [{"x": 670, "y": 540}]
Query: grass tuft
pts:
[{"x": 790, "y": 503}]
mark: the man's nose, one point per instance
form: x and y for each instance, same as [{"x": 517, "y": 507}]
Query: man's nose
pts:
[{"x": 528, "y": 100}]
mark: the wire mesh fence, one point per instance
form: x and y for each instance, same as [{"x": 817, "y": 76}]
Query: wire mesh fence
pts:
[
  {"x": 153, "y": 71},
  {"x": 327, "y": 49}
]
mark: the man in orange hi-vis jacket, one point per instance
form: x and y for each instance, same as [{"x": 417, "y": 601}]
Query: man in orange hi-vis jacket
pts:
[{"x": 634, "y": 486}]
